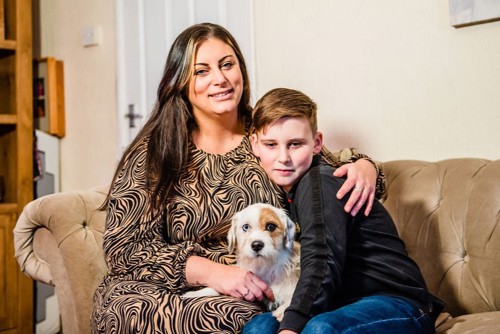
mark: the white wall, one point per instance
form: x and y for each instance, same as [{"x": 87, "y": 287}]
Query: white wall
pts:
[
  {"x": 391, "y": 77},
  {"x": 89, "y": 149}
]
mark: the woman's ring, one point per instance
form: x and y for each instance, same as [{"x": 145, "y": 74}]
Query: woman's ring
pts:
[{"x": 358, "y": 188}]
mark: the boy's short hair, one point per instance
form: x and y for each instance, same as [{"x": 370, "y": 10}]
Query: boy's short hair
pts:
[{"x": 283, "y": 102}]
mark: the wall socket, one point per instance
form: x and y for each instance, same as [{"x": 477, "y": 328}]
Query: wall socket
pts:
[{"x": 91, "y": 36}]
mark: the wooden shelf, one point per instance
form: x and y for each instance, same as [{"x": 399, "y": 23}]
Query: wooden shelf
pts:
[
  {"x": 7, "y": 44},
  {"x": 16, "y": 159},
  {"x": 8, "y": 208},
  {"x": 7, "y": 48},
  {"x": 8, "y": 119}
]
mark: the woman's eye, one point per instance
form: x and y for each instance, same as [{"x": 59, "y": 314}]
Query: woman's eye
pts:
[
  {"x": 200, "y": 72},
  {"x": 245, "y": 227},
  {"x": 270, "y": 145},
  {"x": 227, "y": 64},
  {"x": 270, "y": 227}
]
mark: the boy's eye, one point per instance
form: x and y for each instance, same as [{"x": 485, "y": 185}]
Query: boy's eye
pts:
[
  {"x": 270, "y": 227},
  {"x": 245, "y": 227},
  {"x": 295, "y": 144}
]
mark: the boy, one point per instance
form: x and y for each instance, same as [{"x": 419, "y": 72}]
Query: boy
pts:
[{"x": 356, "y": 275}]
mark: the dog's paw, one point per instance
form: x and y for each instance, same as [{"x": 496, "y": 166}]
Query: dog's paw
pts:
[
  {"x": 279, "y": 312},
  {"x": 205, "y": 292}
]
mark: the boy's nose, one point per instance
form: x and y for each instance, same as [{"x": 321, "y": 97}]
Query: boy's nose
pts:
[{"x": 284, "y": 156}]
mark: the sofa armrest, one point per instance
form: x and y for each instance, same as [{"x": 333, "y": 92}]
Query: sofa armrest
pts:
[
  {"x": 65, "y": 216},
  {"x": 58, "y": 241}
]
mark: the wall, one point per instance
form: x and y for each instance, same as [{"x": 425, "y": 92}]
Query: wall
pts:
[
  {"x": 89, "y": 149},
  {"x": 391, "y": 77}
]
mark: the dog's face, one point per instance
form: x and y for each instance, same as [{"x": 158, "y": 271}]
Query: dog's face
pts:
[{"x": 261, "y": 231}]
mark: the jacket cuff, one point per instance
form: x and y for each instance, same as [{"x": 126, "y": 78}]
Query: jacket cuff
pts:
[{"x": 293, "y": 321}]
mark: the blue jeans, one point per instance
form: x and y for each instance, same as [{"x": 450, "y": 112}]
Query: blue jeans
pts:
[{"x": 369, "y": 315}]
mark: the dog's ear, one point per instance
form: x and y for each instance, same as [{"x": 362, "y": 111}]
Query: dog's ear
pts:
[
  {"x": 231, "y": 235},
  {"x": 289, "y": 231}
]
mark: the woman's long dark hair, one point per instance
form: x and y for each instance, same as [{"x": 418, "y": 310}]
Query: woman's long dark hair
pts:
[{"x": 168, "y": 129}]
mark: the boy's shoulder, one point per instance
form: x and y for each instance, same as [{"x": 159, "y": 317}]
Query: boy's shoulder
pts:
[
  {"x": 325, "y": 169},
  {"x": 326, "y": 174},
  {"x": 326, "y": 178}
]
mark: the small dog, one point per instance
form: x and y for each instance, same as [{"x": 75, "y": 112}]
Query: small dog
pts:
[{"x": 263, "y": 236}]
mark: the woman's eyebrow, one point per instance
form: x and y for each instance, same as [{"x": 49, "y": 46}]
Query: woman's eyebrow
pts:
[
  {"x": 225, "y": 57},
  {"x": 220, "y": 60}
]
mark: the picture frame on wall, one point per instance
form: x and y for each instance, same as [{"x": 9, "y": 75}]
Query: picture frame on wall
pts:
[
  {"x": 48, "y": 96},
  {"x": 465, "y": 13}
]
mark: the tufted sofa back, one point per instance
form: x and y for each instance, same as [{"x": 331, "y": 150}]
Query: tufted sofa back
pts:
[{"x": 448, "y": 214}]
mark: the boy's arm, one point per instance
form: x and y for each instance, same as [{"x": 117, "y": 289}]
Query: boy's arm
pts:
[{"x": 321, "y": 265}]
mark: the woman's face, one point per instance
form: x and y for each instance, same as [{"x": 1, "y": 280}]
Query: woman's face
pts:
[{"x": 216, "y": 86}]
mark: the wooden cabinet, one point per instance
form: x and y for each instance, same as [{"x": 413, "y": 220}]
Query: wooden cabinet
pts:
[{"x": 16, "y": 158}]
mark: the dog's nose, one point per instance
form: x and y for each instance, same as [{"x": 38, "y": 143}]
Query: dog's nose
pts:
[{"x": 257, "y": 245}]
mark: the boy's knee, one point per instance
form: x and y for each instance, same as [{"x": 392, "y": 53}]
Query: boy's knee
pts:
[
  {"x": 264, "y": 323},
  {"x": 319, "y": 324}
]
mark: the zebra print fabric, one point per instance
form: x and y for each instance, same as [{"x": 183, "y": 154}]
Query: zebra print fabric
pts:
[{"x": 147, "y": 257}]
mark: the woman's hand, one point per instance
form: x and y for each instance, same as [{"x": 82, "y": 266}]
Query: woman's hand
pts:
[
  {"x": 362, "y": 176},
  {"x": 227, "y": 280},
  {"x": 237, "y": 282},
  {"x": 287, "y": 331}
]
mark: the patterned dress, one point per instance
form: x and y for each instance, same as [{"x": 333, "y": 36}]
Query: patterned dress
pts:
[{"x": 147, "y": 256}]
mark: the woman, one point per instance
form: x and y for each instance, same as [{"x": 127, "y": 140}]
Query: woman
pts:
[{"x": 178, "y": 184}]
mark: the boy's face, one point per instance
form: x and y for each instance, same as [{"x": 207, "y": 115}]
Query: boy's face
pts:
[{"x": 286, "y": 149}]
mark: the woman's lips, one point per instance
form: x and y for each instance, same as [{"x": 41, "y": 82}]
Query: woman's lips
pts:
[{"x": 222, "y": 95}]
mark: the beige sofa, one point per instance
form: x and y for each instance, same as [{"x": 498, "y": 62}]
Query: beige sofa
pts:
[{"x": 447, "y": 212}]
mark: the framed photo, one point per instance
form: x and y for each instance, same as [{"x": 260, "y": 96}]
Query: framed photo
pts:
[
  {"x": 48, "y": 96},
  {"x": 469, "y": 12}
]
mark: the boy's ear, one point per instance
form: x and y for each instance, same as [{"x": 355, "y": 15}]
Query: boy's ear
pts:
[
  {"x": 255, "y": 147},
  {"x": 318, "y": 142}
]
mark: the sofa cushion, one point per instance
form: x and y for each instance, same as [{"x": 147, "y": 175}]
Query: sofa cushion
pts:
[{"x": 448, "y": 214}]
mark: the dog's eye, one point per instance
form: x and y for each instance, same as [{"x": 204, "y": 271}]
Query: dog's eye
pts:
[
  {"x": 245, "y": 227},
  {"x": 270, "y": 227}
]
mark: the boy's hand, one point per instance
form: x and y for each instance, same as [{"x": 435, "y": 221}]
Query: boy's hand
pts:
[{"x": 362, "y": 176}]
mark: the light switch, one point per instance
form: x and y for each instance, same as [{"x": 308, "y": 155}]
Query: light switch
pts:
[{"x": 91, "y": 36}]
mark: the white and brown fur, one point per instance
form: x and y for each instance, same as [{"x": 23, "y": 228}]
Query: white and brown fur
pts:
[{"x": 263, "y": 238}]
